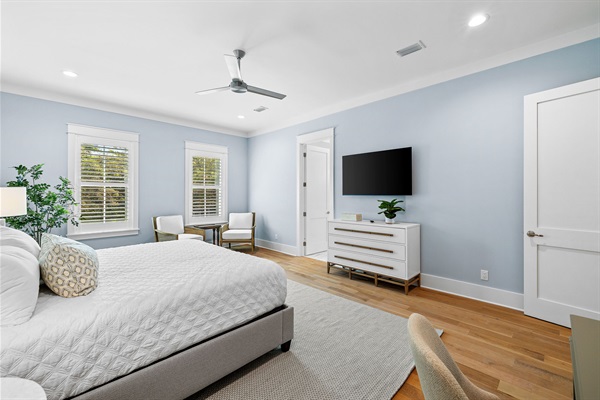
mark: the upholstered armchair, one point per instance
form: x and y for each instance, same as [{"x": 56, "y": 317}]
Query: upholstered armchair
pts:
[
  {"x": 239, "y": 229},
  {"x": 440, "y": 377},
  {"x": 171, "y": 228}
]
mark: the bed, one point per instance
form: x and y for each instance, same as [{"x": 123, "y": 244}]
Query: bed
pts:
[{"x": 166, "y": 320}]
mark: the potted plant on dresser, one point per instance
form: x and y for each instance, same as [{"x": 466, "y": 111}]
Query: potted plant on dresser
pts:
[{"x": 390, "y": 209}]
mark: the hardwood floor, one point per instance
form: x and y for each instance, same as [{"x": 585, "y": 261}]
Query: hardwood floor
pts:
[{"x": 499, "y": 349}]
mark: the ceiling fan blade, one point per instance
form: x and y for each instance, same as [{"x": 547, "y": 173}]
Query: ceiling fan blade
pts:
[
  {"x": 216, "y": 90},
  {"x": 233, "y": 66},
  {"x": 265, "y": 92}
]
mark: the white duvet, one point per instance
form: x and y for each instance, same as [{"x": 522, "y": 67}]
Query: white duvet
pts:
[{"x": 152, "y": 300}]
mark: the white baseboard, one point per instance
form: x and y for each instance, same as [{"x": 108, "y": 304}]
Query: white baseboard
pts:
[
  {"x": 280, "y": 247},
  {"x": 486, "y": 294}
]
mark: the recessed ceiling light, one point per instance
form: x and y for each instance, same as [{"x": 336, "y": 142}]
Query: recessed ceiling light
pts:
[
  {"x": 70, "y": 74},
  {"x": 241, "y": 117},
  {"x": 478, "y": 20}
]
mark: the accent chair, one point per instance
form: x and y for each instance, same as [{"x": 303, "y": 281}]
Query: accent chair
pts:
[
  {"x": 239, "y": 229},
  {"x": 440, "y": 377},
  {"x": 171, "y": 227}
]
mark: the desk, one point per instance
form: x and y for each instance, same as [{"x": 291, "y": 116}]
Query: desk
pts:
[
  {"x": 214, "y": 227},
  {"x": 585, "y": 355}
]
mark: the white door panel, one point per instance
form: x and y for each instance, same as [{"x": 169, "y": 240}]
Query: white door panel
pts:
[
  {"x": 582, "y": 269},
  {"x": 317, "y": 163},
  {"x": 562, "y": 203},
  {"x": 568, "y": 152}
]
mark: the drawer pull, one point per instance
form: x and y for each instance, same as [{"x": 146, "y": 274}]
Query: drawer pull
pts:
[
  {"x": 367, "y": 232},
  {"x": 365, "y": 262},
  {"x": 364, "y": 247}
]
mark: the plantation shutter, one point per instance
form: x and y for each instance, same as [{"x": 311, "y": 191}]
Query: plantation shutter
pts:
[
  {"x": 207, "y": 191},
  {"x": 104, "y": 183}
]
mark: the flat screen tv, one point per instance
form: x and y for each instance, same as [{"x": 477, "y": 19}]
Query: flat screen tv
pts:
[{"x": 387, "y": 172}]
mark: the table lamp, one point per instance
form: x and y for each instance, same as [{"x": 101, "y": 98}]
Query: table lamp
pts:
[{"x": 13, "y": 202}]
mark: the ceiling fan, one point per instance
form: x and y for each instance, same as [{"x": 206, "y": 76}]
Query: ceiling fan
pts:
[{"x": 237, "y": 84}]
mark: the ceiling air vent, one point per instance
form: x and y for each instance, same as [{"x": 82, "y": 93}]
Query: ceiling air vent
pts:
[
  {"x": 411, "y": 49},
  {"x": 260, "y": 109}
]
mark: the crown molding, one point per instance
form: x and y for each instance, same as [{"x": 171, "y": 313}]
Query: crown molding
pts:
[
  {"x": 555, "y": 43},
  {"x": 9, "y": 87}
]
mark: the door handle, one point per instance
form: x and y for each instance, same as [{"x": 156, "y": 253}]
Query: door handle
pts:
[{"x": 533, "y": 234}]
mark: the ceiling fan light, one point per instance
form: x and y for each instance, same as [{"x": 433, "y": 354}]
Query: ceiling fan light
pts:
[{"x": 478, "y": 19}]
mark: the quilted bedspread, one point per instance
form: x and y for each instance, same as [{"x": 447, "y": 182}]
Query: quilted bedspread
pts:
[{"x": 152, "y": 300}]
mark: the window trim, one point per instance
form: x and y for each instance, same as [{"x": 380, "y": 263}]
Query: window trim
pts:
[
  {"x": 195, "y": 149},
  {"x": 76, "y": 136}
]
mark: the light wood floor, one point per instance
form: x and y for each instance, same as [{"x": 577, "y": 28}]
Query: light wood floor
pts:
[{"x": 499, "y": 349}]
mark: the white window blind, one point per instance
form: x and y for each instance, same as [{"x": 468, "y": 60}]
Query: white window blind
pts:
[
  {"x": 103, "y": 170},
  {"x": 104, "y": 180},
  {"x": 206, "y": 192},
  {"x": 206, "y": 176}
]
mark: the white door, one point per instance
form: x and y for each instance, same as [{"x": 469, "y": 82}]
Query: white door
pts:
[
  {"x": 562, "y": 203},
  {"x": 316, "y": 173}
]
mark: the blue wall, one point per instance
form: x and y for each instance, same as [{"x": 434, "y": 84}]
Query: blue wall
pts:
[
  {"x": 34, "y": 131},
  {"x": 467, "y": 139}
]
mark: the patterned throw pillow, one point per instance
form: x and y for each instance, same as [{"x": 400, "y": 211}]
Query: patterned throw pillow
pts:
[{"x": 68, "y": 267}]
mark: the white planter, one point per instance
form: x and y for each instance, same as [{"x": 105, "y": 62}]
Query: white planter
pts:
[{"x": 389, "y": 220}]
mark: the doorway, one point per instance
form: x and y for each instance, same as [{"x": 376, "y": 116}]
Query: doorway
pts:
[{"x": 314, "y": 190}]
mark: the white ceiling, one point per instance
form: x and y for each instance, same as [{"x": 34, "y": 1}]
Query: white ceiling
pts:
[{"x": 147, "y": 58}]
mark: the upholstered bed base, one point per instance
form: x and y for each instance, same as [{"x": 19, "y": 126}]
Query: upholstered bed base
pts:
[{"x": 191, "y": 370}]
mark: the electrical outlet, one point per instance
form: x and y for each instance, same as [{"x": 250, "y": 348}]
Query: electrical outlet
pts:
[
  {"x": 276, "y": 236},
  {"x": 484, "y": 275}
]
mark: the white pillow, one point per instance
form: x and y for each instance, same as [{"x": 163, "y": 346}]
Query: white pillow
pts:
[
  {"x": 19, "y": 285},
  {"x": 14, "y": 237},
  {"x": 240, "y": 220}
]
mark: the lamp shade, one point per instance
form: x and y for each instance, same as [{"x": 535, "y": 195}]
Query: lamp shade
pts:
[{"x": 13, "y": 201}]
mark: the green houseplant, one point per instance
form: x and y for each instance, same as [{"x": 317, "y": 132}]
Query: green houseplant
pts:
[
  {"x": 46, "y": 208},
  {"x": 389, "y": 209}
]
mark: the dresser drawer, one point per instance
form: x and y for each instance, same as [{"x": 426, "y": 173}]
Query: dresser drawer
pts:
[
  {"x": 371, "y": 247},
  {"x": 377, "y": 265},
  {"x": 372, "y": 232}
]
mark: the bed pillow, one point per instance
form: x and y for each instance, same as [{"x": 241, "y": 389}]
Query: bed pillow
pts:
[
  {"x": 19, "y": 285},
  {"x": 69, "y": 268},
  {"x": 14, "y": 237}
]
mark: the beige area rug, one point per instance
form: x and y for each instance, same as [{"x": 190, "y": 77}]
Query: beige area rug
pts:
[{"x": 341, "y": 350}]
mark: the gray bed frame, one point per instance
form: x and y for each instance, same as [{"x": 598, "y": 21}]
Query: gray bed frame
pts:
[{"x": 187, "y": 372}]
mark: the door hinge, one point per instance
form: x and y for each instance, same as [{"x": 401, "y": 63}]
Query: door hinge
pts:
[
  {"x": 304, "y": 154},
  {"x": 303, "y": 243},
  {"x": 304, "y": 214},
  {"x": 304, "y": 184}
]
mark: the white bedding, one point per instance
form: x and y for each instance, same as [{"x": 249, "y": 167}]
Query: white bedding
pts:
[{"x": 152, "y": 300}]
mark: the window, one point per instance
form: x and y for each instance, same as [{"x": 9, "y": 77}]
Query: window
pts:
[
  {"x": 206, "y": 183},
  {"x": 103, "y": 168}
]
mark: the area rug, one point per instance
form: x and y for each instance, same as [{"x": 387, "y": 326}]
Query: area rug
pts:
[{"x": 341, "y": 350}]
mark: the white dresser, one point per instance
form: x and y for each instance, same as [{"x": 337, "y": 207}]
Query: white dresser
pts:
[{"x": 383, "y": 252}]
